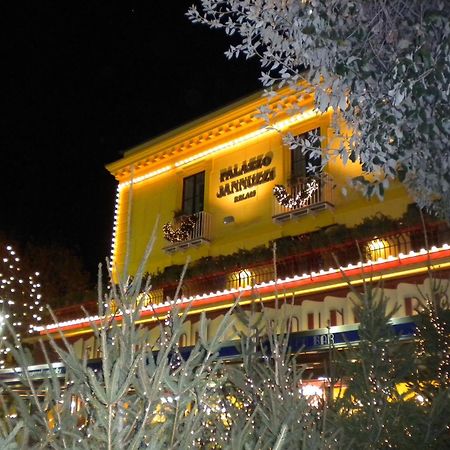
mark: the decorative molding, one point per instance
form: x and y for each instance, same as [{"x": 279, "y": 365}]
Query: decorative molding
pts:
[{"x": 205, "y": 131}]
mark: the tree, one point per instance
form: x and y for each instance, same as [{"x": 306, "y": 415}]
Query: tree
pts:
[
  {"x": 146, "y": 393},
  {"x": 432, "y": 382},
  {"x": 381, "y": 65},
  {"x": 371, "y": 411},
  {"x": 20, "y": 298},
  {"x": 62, "y": 274},
  {"x": 391, "y": 399}
]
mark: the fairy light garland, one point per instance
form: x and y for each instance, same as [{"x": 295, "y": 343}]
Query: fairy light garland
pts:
[
  {"x": 403, "y": 258},
  {"x": 435, "y": 306},
  {"x": 20, "y": 297},
  {"x": 183, "y": 232},
  {"x": 300, "y": 200}
]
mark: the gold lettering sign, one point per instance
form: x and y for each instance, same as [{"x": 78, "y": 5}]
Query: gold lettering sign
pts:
[{"x": 240, "y": 184}]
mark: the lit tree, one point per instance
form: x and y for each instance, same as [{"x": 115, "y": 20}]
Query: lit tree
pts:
[
  {"x": 381, "y": 65},
  {"x": 19, "y": 298},
  {"x": 371, "y": 411},
  {"x": 433, "y": 334},
  {"x": 432, "y": 382},
  {"x": 149, "y": 393}
]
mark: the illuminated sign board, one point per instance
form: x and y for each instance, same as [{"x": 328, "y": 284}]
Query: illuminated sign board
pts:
[{"x": 234, "y": 182}]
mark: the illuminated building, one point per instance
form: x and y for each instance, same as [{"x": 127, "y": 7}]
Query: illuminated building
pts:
[{"x": 221, "y": 190}]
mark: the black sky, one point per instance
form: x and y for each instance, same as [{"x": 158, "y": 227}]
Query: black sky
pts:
[{"x": 82, "y": 82}]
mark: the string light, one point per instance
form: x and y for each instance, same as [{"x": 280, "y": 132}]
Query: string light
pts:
[
  {"x": 115, "y": 227},
  {"x": 183, "y": 232},
  {"x": 145, "y": 177},
  {"x": 309, "y": 278},
  {"x": 300, "y": 200},
  {"x": 435, "y": 308},
  {"x": 19, "y": 298}
]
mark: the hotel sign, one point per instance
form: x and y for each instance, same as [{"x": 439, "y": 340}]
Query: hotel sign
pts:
[{"x": 234, "y": 181}]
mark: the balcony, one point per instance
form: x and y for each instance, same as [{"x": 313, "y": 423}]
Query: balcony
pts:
[
  {"x": 255, "y": 270},
  {"x": 310, "y": 260},
  {"x": 196, "y": 233},
  {"x": 308, "y": 196}
]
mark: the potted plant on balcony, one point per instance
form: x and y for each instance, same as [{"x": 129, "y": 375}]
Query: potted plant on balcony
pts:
[
  {"x": 337, "y": 234},
  {"x": 291, "y": 245},
  {"x": 376, "y": 225}
]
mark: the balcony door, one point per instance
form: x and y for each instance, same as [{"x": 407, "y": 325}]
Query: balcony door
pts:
[{"x": 193, "y": 193}]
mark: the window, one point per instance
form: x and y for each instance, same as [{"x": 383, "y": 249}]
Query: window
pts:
[
  {"x": 310, "y": 318},
  {"x": 300, "y": 162},
  {"x": 193, "y": 193},
  {"x": 411, "y": 304},
  {"x": 336, "y": 317},
  {"x": 333, "y": 318}
]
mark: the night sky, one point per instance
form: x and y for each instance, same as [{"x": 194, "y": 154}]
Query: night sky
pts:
[{"x": 84, "y": 81}]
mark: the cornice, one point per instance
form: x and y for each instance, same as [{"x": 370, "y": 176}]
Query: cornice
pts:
[{"x": 212, "y": 129}]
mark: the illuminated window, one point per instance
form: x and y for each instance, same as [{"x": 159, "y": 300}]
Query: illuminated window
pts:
[
  {"x": 300, "y": 161},
  {"x": 193, "y": 193},
  {"x": 378, "y": 248},
  {"x": 151, "y": 298},
  {"x": 245, "y": 278},
  {"x": 241, "y": 279},
  {"x": 74, "y": 404},
  {"x": 313, "y": 392}
]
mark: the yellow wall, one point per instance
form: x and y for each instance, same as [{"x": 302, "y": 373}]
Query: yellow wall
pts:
[{"x": 158, "y": 197}]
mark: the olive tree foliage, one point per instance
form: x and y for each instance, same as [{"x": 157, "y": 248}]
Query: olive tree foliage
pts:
[
  {"x": 144, "y": 391},
  {"x": 381, "y": 65}
]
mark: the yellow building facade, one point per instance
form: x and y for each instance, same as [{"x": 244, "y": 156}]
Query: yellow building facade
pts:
[
  {"x": 233, "y": 161},
  {"x": 221, "y": 191}
]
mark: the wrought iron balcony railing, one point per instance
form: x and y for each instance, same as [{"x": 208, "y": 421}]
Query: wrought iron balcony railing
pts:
[
  {"x": 308, "y": 261},
  {"x": 313, "y": 260},
  {"x": 307, "y": 196}
]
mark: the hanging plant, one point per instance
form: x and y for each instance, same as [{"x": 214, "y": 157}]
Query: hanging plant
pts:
[
  {"x": 183, "y": 232},
  {"x": 300, "y": 200}
]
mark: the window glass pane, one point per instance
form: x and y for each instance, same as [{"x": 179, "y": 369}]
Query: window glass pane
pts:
[
  {"x": 193, "y": 193},
  {"x": 189, "y": 184},
  {"x": 188, "y": 194},
  {"x": 298, "y": 163},
  {"x": 199, "y": 191}
]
